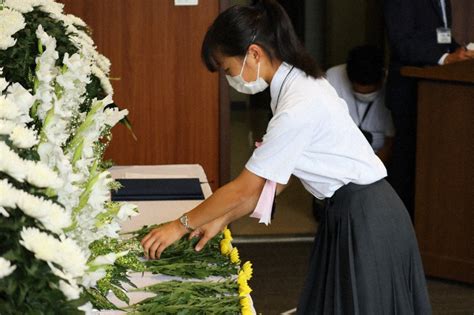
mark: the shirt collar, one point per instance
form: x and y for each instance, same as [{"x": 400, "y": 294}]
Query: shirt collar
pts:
[{"x": 277, "y": 81}]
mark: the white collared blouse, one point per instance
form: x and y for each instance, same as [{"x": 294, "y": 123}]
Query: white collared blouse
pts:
[{"x": 313, "y": 137}]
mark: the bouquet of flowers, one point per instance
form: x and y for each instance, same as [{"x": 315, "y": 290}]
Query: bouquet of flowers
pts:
[
  {"x": 208, "y": 282},
  {"x": 56, "y": 115}
]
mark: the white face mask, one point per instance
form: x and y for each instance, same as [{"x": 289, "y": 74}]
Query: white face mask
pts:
[
  {"x": 253, "y": 87},
  {"x": 366, "y": 97}
]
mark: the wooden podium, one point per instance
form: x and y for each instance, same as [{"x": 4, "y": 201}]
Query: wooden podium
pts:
[{"x": 444, "y": 208}]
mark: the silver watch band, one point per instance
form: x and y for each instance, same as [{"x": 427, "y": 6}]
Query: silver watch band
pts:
[{"x": 185, "y": 222}]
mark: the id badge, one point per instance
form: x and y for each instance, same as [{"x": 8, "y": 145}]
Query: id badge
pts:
[{"x": 443, "y": 35}]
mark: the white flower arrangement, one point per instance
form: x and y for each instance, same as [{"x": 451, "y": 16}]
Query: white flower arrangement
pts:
[{"x": 51, "y": 147}]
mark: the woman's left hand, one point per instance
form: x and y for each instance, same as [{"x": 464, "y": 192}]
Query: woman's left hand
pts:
[{"x": 155, "y": 242}]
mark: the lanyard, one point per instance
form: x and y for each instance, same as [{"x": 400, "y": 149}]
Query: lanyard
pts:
[
  {"x": 276, "y": 105},
  {"x": 365, "y": 114},
  {"x": 281, "y": 87},
  {"x": 443, "y": 10}
]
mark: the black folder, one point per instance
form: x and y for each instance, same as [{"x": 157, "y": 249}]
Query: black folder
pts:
[{"x": 158, "y": 189}]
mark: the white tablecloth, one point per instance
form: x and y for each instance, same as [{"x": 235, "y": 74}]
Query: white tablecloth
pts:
[{"x": 155, "y": 212}]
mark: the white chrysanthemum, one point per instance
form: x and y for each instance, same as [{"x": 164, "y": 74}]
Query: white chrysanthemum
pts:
[
  {"x": 57, "y": 220},
  {"x": 77, "y": 266},
  {"x": 70, "y": 290},
  {"x": 39, "y": 175},
  {"x": 3, "y": 83},
  {"x": 53, "y": 8},
  {"x": 23, "y": 138},
  {"x": 43, "y": 245},
  {"x": 114, "y": 115},
  {"x": 8, "y": 195},
  {"x": 36, "y": 173},
  {"x": 33, "y": 206},
  {"x": 103, "y": 63},
  {"x": 52, "y": 216},
  {"x": 8, "y": 109},
  {"x": 23, "y": 99},
  {"x": 4, "y": 212},
  {"x": 72, "y": 19},
  {"x": 6, "y": 126},
  {"x": 6, "y": 268},
  {"x": 11, "y": 163},
  {"x": 6, "y": 42},
  {"x": 23, "y": 6},
  {"x": 11, "y": 21},
  {"x": 63, "y": 252}
]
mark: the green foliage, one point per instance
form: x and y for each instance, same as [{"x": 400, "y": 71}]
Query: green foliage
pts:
[
  {"x": 94, "y": 90},
  {"x": 99, "y": 301},
  {"x": 203, "y": 297}
]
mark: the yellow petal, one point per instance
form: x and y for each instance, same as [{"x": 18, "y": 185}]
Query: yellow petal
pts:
[
  {"x": 247, "y": 311},
  {"x": 245, "y": 302},
  {"x": 244, "y": 289},
  {"x": 234, "y": 256},
  {"x": 228, "y": 234},
  {"x": 248, "y": 270},
  {"x": 242, "y": 278},
  {"x": 225, "y": 247}
]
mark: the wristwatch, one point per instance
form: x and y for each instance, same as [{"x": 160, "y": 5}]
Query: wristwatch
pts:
[{"x": 185, "y": 222}]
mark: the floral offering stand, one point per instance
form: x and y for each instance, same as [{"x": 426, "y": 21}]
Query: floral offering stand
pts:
[{"x": 65, "y": 247}]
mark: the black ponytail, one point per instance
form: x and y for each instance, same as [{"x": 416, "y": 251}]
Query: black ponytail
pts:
[{"x": 265, "y": 24}]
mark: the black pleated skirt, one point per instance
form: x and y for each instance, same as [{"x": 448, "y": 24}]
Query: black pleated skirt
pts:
[{"x": 365, "y": 257}]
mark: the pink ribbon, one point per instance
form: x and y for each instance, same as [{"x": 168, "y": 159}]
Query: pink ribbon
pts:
[{"x": 263, "y": 210}]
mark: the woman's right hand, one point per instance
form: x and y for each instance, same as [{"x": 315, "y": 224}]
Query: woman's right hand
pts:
[{"x": 208, "y": 231}]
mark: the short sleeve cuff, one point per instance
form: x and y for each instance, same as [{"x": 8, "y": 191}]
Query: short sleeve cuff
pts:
[{"x": 251, "y": 167}]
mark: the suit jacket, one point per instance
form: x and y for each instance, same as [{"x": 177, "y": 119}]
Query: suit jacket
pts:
[{"x": 411, "y": 28}]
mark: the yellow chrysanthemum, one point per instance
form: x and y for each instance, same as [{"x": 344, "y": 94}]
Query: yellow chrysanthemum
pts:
[
  {"x": 244, "y": 289},
  {"x": 227, "y": 234},
  {"x": 247, "y": 310},
  {"x": 234, "y": 256},
  {"x": 242, "y": 277},
  {"x": 226, "y": 247},
  {"x": 248, "y": 270},
  {"x": 245, "y": 302}
]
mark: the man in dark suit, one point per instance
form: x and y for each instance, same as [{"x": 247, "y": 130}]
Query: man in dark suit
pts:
[{"x": 419, "y": 35}]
